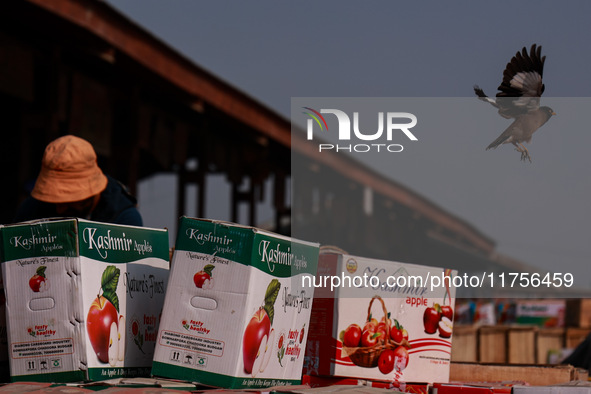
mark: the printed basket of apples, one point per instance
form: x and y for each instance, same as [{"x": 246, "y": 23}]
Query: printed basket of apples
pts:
[{"x": 364, "y": 347}]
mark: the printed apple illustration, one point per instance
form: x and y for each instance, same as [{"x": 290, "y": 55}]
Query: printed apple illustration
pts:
[
  {"x": 302, "y": 333},
  {"x": 352, "y": 336},
  {"x": 266, "y": 357},
  {"x": 373, "y": 322},
  {"x": 405, "y": 334},
  {"x": 445, "y": 327},
  {"x": 431, "y": 319},
  {"x": 103, "y": 320},
  {"x": 257, "y": 329},
  {"x": 135, "y": 328},
  {"x": 382, "y": 331},
  {"x": 101, "y": 317},
  {"x": 396, "y": 334},
  {"x": 447, "y": 312},
  {"x": 121, "y": 338},
  {"x": 203, "y": 279},
  {"x": 258, "y": 337},
  {"x": 138, "y": 338},
  {"x": 400, "y": 358},
  {"x": 369, "y": 338},
  {"x": 386, "y": 361},
  {"x": 113, "y": 351},
  {"x": 38, "y": 282},
  {"x": 280, "y": 343},
  {"x": 370, "y": 326}
]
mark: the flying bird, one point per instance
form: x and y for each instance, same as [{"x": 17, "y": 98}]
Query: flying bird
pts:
[{"x": 519, "y": 98}]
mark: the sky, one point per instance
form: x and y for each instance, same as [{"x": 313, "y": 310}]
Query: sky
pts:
[{"x": 432, "y": 52}]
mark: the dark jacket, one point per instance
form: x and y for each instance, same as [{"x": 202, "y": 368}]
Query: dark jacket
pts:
[
  {"x": 116, "y": 206},
  {"x": 581, "y": 356}
]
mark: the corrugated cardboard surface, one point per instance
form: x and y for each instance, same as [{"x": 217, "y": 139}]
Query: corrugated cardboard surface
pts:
[{"x": 533, "y": 375}]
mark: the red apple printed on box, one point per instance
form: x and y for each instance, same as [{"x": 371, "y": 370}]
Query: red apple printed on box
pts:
[
  {"x": 38, "y": 282},
  {"x": 204, "y": 278},
  {"x": 281, "y": 348},
  {"x": 382, "y": 344},
  {"x": 438, "y": 318},
  {"x": 185, "y": 324},
  {"x": 104, "y": 325},
  {"x": 138, "y": 338},
  {"x": 258, "y": 336}
]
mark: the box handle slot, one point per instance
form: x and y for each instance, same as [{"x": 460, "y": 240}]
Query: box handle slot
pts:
[
  {"x": 41, "y": 304},
  {"x": 204, "y": 303}
]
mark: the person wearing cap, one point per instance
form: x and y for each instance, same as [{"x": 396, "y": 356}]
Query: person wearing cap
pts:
[{"x": 71, "y": 184}]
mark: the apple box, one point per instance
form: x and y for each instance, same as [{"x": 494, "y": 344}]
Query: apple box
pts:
[
  {"x": 236, "y": 314},
  {"x": 380, "y": 320},
  {"x": 83, "y": 299}
]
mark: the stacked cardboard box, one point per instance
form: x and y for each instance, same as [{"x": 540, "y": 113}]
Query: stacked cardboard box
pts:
[
  {"x": 578, "y": 321},
  {"x": 236, "y": 312},
  {"x": 578, "y": 313},
  {"x": 533, "y": 375},
  {"x": 465, "y": 344},
  {"x": 507, "y": 344},
  {"x": 514, "y": 344},
  {"x": 548, "y": 341},
  {"x": 397, "y": 327},
  {"x": 83, "y": 299}
]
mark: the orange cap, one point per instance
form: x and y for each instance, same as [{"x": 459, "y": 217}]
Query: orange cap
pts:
[{"x": 69, "y": 172}]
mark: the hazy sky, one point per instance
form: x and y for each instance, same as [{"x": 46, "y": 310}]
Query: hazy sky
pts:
[{"x": 274, "y": 51}]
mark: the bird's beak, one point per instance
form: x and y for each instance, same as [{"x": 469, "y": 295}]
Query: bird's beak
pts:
[{"x": 553, "y": 113}]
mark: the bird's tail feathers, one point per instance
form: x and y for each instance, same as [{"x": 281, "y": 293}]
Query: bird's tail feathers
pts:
[{"x": 502, "y": 138}]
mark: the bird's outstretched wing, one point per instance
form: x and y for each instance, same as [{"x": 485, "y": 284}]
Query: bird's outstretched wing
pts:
[
  {"x": 519, "y": 99},
  {"x": 522, "y": 84}
]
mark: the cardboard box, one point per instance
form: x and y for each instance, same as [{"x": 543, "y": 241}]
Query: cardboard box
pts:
[
  {"x": 548, "y": 341},
  {"x": 492, "y": 344},
  {"x": 533, "y": 375},
  {"x": 236, "y": 313},
  {"x": 574, "y": 336},
  {"x": 76, "y": 293},
  {"x": 422, "y": 355},
  {"x": 581, "y": 374},
  {"x": 578, "y": 313},
  {"x": 465, "y": 344},
  {"x": 542, "y": 313},
  {"x": 521, "y": 345}
]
